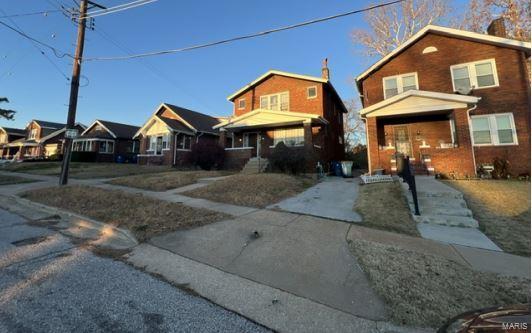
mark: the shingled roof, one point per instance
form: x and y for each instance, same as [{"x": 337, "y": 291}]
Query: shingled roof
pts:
[
  {"x": 14, "y": 131},
  {"x": 201, "y": 122},
  {"x": 49, "y": 124},
  {"x": 120, "y": 130}
]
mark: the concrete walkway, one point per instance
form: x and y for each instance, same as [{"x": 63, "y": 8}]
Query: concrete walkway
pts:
[
  {"x": 332, "y": 198},
  {"x": 445, "y": 216},
  {"x": 302, "y": 255}
]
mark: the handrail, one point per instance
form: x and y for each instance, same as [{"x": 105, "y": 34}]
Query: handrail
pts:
[{"x": 408, "y": 177}]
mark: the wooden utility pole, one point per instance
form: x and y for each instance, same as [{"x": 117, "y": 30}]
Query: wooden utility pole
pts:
[{"x": 74, "y": 88}]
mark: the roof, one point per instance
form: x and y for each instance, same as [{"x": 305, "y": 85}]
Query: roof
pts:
[
  {"x": 420, "y": 101},
  {"x": 199, "y": 122},
  {"x": 269, "y": 118},
  {"x": 14, "y": 131},
  {"x": 49, "y": 124},
  {"x": 450, "y": 32},
  {"x": 287, "y": 74},
  {"x": 174, "y": 124},
  {"x": 115, "y": 130}
]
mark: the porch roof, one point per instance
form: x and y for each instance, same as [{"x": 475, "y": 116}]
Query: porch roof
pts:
[
  {"x": 268, "y": 118},
  {"x": 418, "y": 101}
]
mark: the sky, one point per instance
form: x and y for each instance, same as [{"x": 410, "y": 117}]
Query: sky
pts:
[{"x": 129, "y": 91}]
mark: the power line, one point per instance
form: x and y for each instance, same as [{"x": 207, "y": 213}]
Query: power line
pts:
[
  {"x": 44, "y": 12},
  {"x": 122, "y": 7},
  {"x": 258, "y": 34}
]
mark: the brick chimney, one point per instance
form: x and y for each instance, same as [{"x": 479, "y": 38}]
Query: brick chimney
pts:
[
  {"x": 325, "y": 70},
  {"x": 497, "y": 28}
]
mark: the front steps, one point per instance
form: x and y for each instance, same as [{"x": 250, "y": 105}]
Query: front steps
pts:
[{"x": 255, "y": 165}]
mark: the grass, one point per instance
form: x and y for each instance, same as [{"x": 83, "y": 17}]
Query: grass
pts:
[
  {"x": 145, "y": 217},
  {"x": 425, "y": 290},
  {"x": 8, "y": 180},
  {"x": 502, "y": 209},
  {"x": 166, "y": 180},
  {"x": 257, "y": 190},
  {"x": 383, "y": 206},
  {"x": 85, "y": 170}
]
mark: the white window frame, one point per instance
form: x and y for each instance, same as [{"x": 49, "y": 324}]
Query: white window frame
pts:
[
  {"x": 33, "y": 134},
  {"x": 399, "y": 80},
  {"x": 315, "y": 92},
  {"x": 494, "y": 134},
  {"x": 107, "y": 150},
  {"x": 473, "y": 73},
  {"x": 180, "y": 146},
  {"x": 241, "y": 107},
  {"x": 278, "y": 99},
  {"x": 279, "y": 130}
]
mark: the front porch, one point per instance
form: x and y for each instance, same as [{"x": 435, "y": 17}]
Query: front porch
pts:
[{"x": 431, "y": 128}]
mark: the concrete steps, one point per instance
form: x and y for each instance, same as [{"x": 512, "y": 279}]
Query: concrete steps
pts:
[
  {"x": 447, "y": 220},
  {"x": 255, "y": 165}
]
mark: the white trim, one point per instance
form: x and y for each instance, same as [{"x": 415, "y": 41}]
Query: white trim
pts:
[
  {"x": 420, "y": 93},
  {"x": 154, "y": 114},
  {"x": 399, "y": 82},
  {"x": 241, "y": 107},
  {"x": 429, "y": 49},
  {"x": 239, "y": 148},
  {"x": 275, "y": 72},
  {"x": 307, "y": 116},
  {"x": 494, "y": 134},
  {"x": 102, "y": 125},
  {"x": 316, "y": 94},
  {"x": 471, "y": 70},
  {"x": 279, "y": 94},
  {"x": 461, "y": 34}
]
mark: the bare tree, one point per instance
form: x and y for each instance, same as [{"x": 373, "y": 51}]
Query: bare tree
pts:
[
  {"x": 5, "y": 113},
  {"x": 354, "y": 127},
  {"x": 391, "y": 26},
  {"x": 516, "y": 14}
]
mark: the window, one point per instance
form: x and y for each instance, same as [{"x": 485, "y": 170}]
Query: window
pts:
[
  {"x": 475, "y": 75},
  {"x": 158, "y": 143},
  {"x": 495, "y": 129},
  {"x": 395, "y": 85},
  {"x": 183, "y": 142},
  {"x": 290, "y": 137},
  {"x": 276, "y": 102},
  {"x": 242, "y": 104},
  {"x": 106, "y": 147},
  {"x": 33, "y": 133},
  {"x": 312, "y": 92}
]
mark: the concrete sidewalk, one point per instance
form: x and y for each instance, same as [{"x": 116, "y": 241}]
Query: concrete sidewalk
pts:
[{"x": 332, "y": 198}]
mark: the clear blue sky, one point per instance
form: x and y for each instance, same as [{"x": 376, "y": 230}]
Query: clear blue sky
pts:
[{"x": 127, "y": 91}]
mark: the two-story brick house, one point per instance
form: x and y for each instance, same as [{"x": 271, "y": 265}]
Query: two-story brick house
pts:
[
  {"x": 304, "y": 112},
  {"x": 450, "y": 99}
]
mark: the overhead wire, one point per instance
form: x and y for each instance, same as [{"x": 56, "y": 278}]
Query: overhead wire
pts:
[
  {"x": 44, "y": 12},
  {"x": 112, "y": 10}
]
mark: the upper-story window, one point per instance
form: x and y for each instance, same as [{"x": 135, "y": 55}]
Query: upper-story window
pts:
[
  {"x": 242, "y": 104},
  {"x": 475, "y": 75},
  {"x": 394, "y": 85},
  {"x": 33, "y": 133},
  {"x": 312, "y": 92},
  {"x": 494, "y": 129},
  {"x": 276, "y": 102}
]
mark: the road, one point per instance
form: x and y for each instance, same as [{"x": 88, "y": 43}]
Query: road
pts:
[{"x": 50, "y": 284}]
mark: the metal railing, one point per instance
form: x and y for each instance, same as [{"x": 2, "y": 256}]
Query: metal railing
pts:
[{"x": 408, "y": 177}]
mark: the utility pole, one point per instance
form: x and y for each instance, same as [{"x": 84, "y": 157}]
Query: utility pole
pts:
[{"x": 74, "y": 88}]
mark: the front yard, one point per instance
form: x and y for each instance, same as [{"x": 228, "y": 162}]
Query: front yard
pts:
[
  {"x": 8, "y": 180},
  {"x": 145, "y": 217},
  {"x": 426, "y": 290},
  {"x": 166, "y": 180},
  {"x": 502, "y": 209},
  {"x": 84, "y": 170},
  {"x": 257, "y": 190},
  {"x": 384, "y": 206}
]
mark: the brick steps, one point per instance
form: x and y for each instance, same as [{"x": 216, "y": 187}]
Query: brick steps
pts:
[{"x": 255, "y": 165}]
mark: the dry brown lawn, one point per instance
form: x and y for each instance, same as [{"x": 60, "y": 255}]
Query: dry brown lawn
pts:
[
  {"x": 145, "y": 217},
  {"x": 425, "y": 290},
  {"x": 384, "y": 206},
  {"x": 167, "y": 180},
  {"x": 502, "y": 209},
  {"x": 85, "y": 170},
  {"x": 8, "y": 180},
  {"x": 256, "y": 190}
]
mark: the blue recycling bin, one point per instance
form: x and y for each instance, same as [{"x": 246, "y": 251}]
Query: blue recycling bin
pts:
[{"x": 336, "y": 168}]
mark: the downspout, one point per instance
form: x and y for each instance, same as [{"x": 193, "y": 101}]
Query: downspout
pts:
[
  {"x": 197, "y": 137},
  {"x": 471, "y": 137}
]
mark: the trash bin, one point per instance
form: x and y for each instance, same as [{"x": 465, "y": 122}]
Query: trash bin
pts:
[
  {"x": 347, "y": 167},
  {"x": 337, "y": 169}
]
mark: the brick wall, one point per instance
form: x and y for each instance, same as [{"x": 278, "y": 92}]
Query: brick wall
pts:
[{"x": 433, "y": 70}]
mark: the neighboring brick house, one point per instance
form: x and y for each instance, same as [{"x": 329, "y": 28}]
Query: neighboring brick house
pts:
[
  {"x": 304, "y": 112},
  {"x": 450, "y": 99},
  {"x": 43, "y": 139},
  {"x": 10, "y": 135},
  {"x": 170, "y": 132},
  {"x": 106, "y": 141}
]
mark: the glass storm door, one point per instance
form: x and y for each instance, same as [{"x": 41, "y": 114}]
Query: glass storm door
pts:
[{"x": 402, "y": 140}]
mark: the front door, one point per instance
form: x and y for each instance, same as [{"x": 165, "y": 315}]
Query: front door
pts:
[
  {"x": 402, "y": 140},
  {"x": 251, "y": 140},
  {"x": 159, "y": 145}
]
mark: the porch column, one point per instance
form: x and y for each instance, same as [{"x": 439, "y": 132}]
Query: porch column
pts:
[
  {"x": 372, "y": 143},
  {"x": 466, "y": 164},
  {"x": 221, "y": 138}
]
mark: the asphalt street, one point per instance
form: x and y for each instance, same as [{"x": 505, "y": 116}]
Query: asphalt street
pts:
[{"x": 49, "y": 284}]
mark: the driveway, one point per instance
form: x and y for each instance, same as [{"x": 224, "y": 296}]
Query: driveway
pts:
[
  {"x": 48, "y": 284},
  {"x": 303, "y": 255},
  {"x": 332, "y": 198}
]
